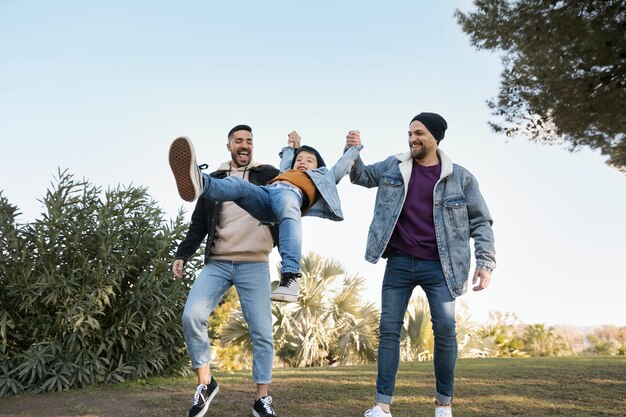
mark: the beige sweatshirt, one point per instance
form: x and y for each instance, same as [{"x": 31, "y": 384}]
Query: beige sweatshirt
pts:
[{"x": 239, "y": 236}]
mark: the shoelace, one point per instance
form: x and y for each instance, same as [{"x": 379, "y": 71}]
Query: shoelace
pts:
[
  {"x": 202, "y": 167},
  {"x": 196, "y": 396},
  {"x": 287, "y": 279},
  {"x": 267, "y": 404},
  {"x": 370, "y": 412}
]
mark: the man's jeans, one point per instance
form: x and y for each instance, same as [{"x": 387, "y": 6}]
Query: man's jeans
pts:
[
  {"x": 277, "y": 203},
  {"x": 402, "y": 274},
  {"x": 252, "y": 281}
]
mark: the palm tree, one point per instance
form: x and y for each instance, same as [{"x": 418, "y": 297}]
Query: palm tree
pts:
[
  {"x": 541, "y": 341},
  {"x": 328, "y": 324},
  {"x": 416, "y": 339}
]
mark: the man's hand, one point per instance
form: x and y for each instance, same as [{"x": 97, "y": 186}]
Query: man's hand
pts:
[
  {"x": 485, "y": 279},
  {"x": 293, "y": 140},
  {"x": 177, "y": 268},
  {"x": 353, "y": 138}
]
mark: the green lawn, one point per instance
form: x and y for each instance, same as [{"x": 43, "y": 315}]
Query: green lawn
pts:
[{"x": 536, "y": 387}]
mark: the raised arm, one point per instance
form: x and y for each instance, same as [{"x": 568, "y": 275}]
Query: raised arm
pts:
[
  {"x": 286, "y": 154},
  {"x": 361, "y": 174},
  {"x": 353, "y": 147}
]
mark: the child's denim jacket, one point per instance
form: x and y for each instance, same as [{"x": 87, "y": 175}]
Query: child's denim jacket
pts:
[{"x": 328, "y": 206}]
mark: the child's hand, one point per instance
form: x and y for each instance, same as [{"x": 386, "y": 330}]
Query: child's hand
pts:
[
  {"x": 294, "y": 140},
  {"x": 353, "y": 138}
]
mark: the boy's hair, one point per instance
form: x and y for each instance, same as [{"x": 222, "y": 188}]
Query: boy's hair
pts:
[
  {"x": 306, "y": 148},
  {"x": 237, "y": 128}
]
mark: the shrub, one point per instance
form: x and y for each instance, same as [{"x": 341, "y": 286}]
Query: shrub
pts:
[{"x": 86, "y": 295}]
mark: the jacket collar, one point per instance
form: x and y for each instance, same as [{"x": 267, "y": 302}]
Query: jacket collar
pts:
[{"x": 406, "y": 162}]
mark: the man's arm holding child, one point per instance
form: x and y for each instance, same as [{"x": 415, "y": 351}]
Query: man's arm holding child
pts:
[{"x": 351, "y": 153}]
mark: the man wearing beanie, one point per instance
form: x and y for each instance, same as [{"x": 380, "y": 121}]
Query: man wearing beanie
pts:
[{"x": 426, "y": 211}]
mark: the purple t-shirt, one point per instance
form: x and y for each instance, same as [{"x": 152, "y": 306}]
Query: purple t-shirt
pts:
[{"x": 414, "y": 233}]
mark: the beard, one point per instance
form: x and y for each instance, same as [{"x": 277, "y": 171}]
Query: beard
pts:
[
  {"x": 419, "y": 153},
  {"x": 241, "y": 160}
]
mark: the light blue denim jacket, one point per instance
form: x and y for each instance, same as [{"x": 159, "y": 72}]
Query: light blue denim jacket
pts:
[
  {"x": 328, "y": 206},
  {"x": 459, "y": 211}
]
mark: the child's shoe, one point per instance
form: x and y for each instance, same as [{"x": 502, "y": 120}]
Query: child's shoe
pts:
[
  {"x": 186, "y": 173},
  {"x": 288, "y": 288}
]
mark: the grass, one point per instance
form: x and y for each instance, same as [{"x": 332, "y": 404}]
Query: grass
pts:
[{"x": 534, "y": 387}]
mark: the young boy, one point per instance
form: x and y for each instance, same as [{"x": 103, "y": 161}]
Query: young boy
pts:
[{"x": 304, "y": 187}]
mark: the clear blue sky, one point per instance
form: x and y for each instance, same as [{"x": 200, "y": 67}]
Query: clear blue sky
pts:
[{"x": 102, "y": 88}]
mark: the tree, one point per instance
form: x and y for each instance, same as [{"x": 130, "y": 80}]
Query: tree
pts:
[
  {"x": 417, "y": 341},
  {"x": 608, "y": 340},
  {"x": 502, "y": 335},
  {"x": 541, "y": 341},
  {"x": 86, "y": 295},
  {"x": 564, "y": 77},
  {"x": 328, "y": 324}
]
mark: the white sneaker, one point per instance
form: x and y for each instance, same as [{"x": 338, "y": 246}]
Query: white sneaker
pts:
[
  {"x": 376, "y": 412},
  {"x": 443, "y": 411},
  {"x": 186, "y": 172},
  {"x": 288, "y": 289}
]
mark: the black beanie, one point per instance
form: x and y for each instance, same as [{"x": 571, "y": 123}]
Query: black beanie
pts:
[
  {"x": 435, "y": 124},
  {"x": 320, "y": 161}
]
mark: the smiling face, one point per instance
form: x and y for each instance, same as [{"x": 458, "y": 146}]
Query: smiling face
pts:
[
  {"x": 240, "y": 147},
  {"x": 305, "y": 160},
  {"x": 421, "y": 142}
]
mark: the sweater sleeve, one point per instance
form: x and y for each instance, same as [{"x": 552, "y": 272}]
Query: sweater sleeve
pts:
[{"x": 196, "y": 233}]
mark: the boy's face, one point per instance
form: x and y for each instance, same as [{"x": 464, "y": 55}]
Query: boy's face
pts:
[{"x": 305, "y": 160}]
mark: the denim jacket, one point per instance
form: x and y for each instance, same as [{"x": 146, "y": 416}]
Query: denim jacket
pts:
[
  {"x": 459, "y": 211},
  {"x": 328, "y": 205}
]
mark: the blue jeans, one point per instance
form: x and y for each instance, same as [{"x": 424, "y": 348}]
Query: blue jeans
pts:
[
  {"x": 252, "y": 281},
  {"x": 277, "y": 203},
  {"x": 402, "y": 274}
]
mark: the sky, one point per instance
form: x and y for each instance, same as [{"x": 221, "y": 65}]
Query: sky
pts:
[{"x": 102, "y": 88}]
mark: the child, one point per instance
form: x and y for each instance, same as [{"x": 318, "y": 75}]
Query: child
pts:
[{"x": 304, "y": 187}]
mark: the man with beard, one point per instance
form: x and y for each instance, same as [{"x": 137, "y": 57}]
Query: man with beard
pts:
[
  {"x": 426, "y": 211},
  {"x": 304, "y": 187},
  {"x": 237, "y": 253}
]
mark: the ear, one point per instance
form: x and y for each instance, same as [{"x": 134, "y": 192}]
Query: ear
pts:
[{"x": 228, "y": 146}]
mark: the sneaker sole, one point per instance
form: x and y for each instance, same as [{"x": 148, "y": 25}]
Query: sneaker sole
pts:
[
  {"x": 255, "y": 414},
  {"x": 285, "y": 298},
  {"x": 182, "y": 160},
  {"x": 208, "y": 402}
]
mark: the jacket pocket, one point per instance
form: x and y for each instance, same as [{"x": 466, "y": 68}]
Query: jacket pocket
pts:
[
  {"x": 390, "y": 188},
  {"x": 455, "y": 211}
]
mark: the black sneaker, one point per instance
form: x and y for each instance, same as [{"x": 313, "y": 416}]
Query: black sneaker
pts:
[
  {"x": 186, "y": 173},
  {"x": 263, "y": 408},
  {"x": 288, "y": 288},
  {"x": 202, "y": 398}
]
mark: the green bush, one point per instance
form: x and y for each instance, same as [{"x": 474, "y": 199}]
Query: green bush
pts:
[{"x": 86, "y": 295}]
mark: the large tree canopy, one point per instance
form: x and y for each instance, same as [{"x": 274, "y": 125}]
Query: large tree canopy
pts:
[{"x": 564, "y": 76}]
